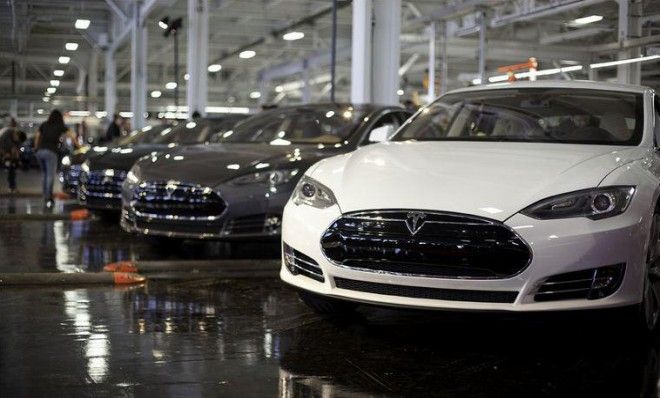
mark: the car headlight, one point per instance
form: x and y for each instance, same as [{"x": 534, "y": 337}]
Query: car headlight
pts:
[
  {"x": 85, "y": 167},
  {"x": 272, "y": 178},
  {"x": 594, "y": 203},
  {"x": 66, "y": 161},
  {"x": 312, "y": 193}
]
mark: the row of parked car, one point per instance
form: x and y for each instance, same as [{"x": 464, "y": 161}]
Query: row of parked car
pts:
[{"x": 227, "y": 177}]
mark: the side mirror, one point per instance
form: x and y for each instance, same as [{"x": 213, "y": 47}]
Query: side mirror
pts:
[{"x": 382, "y": 133}]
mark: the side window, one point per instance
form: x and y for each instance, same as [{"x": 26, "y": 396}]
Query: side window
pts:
[{"x": 383, "y": 129}]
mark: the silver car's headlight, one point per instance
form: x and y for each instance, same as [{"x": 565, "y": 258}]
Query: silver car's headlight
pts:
[
  {"x": 312, "y": 193},
  {"x": 272, "y": 178},
  {"x": 596, "y": 203}
]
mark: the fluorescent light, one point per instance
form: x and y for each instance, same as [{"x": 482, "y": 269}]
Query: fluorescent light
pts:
[
  {"x": 126, "y": 114},
  {"x": 186, "y": 76},
  {"x": 82, "y": 23},
  {"x": 291, "y": 36},
  {"x": 156, "y": 94},
  {"x": 51, "y": 90},
  {"x": 46, "y": 99},
  {"x": 399, "y": 92},
  {"x": 71, "y": 46},
  {"x": 255, "y": 95},
  {"x": 170, "y": 85},
  {"x": 64, "y": 60},
  {"x": 40, "y": 111},
  {"x": 624, "y": 61},
  {"x": 55, "y": 83},
  {"x": 214, "y": 68},
  {"x": 79, "y": 113},
  {"x": 162, "y": 25},
  {"x": 586, "y": 20},
  {"x": 247, "y": 54},
  {"x": 58, "y": 72}
]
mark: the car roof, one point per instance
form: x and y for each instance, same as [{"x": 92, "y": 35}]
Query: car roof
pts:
[{"x": 576, "y": 84}]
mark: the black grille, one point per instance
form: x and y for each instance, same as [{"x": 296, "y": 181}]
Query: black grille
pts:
[
  {"x": 71, "y": 178},
  {"x": 246, "y": 225},
  {"x": 588, "y": 284},
  {"x": 479, "y": 296},
  {"x": 177, "y": 200},
  {"x": 178, "y": 226},
  {"x": 298, "y": 263},
  {"x": 103, "y": 184},
  {"x": 425, "y": 244}
]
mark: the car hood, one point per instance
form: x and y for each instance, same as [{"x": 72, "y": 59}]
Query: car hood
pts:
[
  {"x": 211, "y": 165},
  {"x": 488, "y": 179},
  {"x": 123, "y": 158}
]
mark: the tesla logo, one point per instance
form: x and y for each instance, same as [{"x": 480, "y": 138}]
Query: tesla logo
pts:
[
  {"x": 415, "y": 221},
  {"x": 169, "y": 190}
]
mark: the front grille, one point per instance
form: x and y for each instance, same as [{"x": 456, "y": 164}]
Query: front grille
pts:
[
  {"x": 71, "y": 176},
  {"x": 298, "y": 263},
  {"x": 588, "y": 284},
  {"x": 430, "y": 244},
  {"x": 259, "y": 224},
  {"x": 188, "y": 227},
  {"x": 177, "y": 200},
  {"x": 479, "y": 296},
  {"x": 103, "y": 183}
]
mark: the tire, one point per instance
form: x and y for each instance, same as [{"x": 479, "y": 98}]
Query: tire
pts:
[
  {"x": 326, "y": 306},
  {"x": 648, "y": 311}
]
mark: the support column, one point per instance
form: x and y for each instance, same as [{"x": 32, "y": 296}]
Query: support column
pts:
[
  {"x": 431, "y": 89},
  {"x": 482, "y": 47},
  {"x": 138, "y": 68},
  {"x": 198, "y": 50},
  {"x": 445, "y": 65},
  {"x": 110, "y": 84},
  {"x": 361, "y": 52},
  {"x": 629, "y": 27},
  {"x": 93, "y": 82},
  {"x": 386, "y": 54}
]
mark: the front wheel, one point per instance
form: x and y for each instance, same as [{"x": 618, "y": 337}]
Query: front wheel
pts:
[
  {"x": 325, "y": 305},
  {"x": 649, "y": 308}
]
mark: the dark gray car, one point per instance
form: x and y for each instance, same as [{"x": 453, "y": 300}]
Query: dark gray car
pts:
[
  {"x": 238, "y": 187},
  {"x": 102, "y": 176}
]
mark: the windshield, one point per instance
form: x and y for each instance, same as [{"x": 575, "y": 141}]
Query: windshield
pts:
[
  {"x": 575, "y": 116},
  {"x": 327, "y": 125},
  {"x": 186, "y": 133},
  {"x": 143, "y": 136}
]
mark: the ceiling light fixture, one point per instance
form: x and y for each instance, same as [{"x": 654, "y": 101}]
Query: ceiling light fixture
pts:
[
  {"x": 247, "y": 54},
  {"x": 82, "y": 23},
  {"x": 255, "y": 95},
  {"x": 64, "y": 60},
  {"x": 55, "y": 83},
  {"x": 586, "y": 20},
  {"x": 291, "y": 36},
  {"x": 213, "y": 68},
  {"x": 51, "y": 90},
  {"x": 71, "y": 46},
  {"x": 170, "y": 85},
  {"x": 58, "y": 72},
  {"x": 156, "y": 94}
]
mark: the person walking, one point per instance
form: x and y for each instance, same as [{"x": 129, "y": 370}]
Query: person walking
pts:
[
  {"x": 46, "y": 142},
  {"x": 114, "y": 130},
  {"x": 9, "y": 152}
]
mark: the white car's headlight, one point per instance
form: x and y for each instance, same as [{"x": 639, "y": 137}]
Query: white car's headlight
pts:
[
  {"x": 596, "y": 203},
  {"x": 312, "y": 193},
  {"x": 66, "y": 161},
  {"x": 273, "y": 177}
]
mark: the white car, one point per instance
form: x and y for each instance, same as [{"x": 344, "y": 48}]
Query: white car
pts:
[{"x": 530, "y": 196}]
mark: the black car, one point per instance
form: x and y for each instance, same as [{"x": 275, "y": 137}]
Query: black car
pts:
[
  {"x": 71, "y": 165},
  {"x": 102, "y": 175},
  {"x": 238, "y": 187}
]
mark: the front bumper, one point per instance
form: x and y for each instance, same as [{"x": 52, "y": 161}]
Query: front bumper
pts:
[
  {"x": 250, "y": 213},
  {"x": 558, "y": 247}
]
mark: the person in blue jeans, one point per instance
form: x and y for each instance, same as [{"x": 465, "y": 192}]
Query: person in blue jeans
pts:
[{"x": 46, "y": 141}]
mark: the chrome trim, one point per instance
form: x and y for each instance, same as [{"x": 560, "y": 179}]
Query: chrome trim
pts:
[{"x": 486, "y": 221}]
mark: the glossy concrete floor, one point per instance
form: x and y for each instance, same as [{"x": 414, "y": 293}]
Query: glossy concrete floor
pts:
[{"x": 252, "y": 338}]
